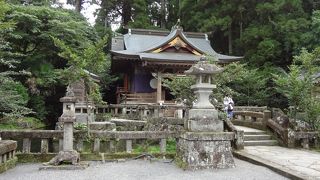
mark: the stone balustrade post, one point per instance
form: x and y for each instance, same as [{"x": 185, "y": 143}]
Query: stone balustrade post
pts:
[
  {"x": 111, "y": 146},
  {"x": 96, "y": 145},
  {"x": 79, "y": 145},
  {"x": 60, "y": 144},
  {"x": 163, "y": 145},
  {"x": 44, "y": 146},
  {"x": 26, "y": 145},
  {"x": 266, "y": 117},
  {"x": 239, "y": 140},
  {"x": 4, "y": 158},
  {"x": 129, "y": 146}
]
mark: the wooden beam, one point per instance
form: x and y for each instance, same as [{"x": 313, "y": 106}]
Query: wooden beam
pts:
[{"x": 159, "y": 89}]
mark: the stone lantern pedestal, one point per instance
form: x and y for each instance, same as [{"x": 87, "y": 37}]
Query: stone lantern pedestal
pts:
[{"x": 204, "y": 144}]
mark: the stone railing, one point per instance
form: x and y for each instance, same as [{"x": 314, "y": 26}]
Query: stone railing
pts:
[
  {"x": 252, "y": 119},
  {"x": 291, "y": 138},
  {"x": 139, "y": 111},
  {"x": 250, "y": 108},
  {"x": 238, "y": 141},
  {"x": 7, "y": 154},
  {"x": 110, "y": 137}
]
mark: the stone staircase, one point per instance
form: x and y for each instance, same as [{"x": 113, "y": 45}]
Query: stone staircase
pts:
[
  {"x": 258, "y": 139},
  {"x": 255, "y": 137}
]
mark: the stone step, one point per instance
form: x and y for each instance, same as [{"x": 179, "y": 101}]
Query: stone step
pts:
[
  {"x": 261, "y": 143},
  {"x": 254, "y": 133},
  {"x": 256, "y": 137}
]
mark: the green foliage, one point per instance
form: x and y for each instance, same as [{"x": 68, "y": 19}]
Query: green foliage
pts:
[
  {"x": 22, "y": 123},
  {"x": 153, "y": 147},
  {"x": 80, "y": 126},
  {"x": 180, "y": 87},
  {"x": 297, "y": 85},
  {"x": 92, "y": 58},
  {"x": 37, "y": 102},
  {"x": 14, "y": 96}
]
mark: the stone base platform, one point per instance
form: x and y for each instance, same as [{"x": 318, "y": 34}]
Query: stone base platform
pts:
[
  {"x": 205, "y": 150},
  {"x": 80, "y": 166}
]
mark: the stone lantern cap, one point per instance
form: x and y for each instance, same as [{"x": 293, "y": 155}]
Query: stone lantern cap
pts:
[
  {"x": 69, "y": 97},
  {"x": 203, "y": 67}
]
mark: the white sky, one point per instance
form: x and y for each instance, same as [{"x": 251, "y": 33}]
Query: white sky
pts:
[{"x": 87, "y": 10}]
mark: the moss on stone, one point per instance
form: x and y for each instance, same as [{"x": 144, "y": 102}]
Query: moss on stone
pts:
[
  {"x": 180, "y": 163},
  {"x": 8, "y": 165},
  {"x": 37, "y": 157}
]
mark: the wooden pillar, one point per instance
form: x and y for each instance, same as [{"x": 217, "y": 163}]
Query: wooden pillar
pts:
[{"x": 159, "y": 82}]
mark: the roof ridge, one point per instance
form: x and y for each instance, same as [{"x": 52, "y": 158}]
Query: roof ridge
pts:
[{"x": 166, "y": 32}]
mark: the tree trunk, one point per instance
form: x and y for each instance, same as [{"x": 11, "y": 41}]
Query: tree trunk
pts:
[
  {"x": 78, "y": 5},
  {"x": 163, "y": 14},
  {"x": 230, "y": 38},
  {"x": 126, "y": 12}
]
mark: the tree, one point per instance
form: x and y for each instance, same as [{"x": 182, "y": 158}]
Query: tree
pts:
[
  {"x": 31, "y": 37},
  {"x": 14, "y": 96},
  {"x": 93, "y": 59},
  {"x": 297, "y": 86}
]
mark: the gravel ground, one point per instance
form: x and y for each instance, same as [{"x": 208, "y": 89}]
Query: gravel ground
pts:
[{"x": 139, "y": 170}]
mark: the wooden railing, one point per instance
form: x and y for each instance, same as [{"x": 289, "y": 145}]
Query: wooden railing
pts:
[
  {"x": 135, "y": 98},
  {"x": 111, "y": 137}
]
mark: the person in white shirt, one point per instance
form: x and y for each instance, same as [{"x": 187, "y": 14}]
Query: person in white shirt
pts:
[{"x": 228, "y": 106}]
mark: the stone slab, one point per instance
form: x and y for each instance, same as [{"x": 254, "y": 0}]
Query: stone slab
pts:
[
  {"x": 102, "y": 126},
  {"x": 203, "y": 114},
  {"x": 122, "y": 122},
  {"x": 208, "y": 136},
  {"x": 80, "y": 166},
  {"x": 292, "y": 163},
  {"x": 205, "y": 125},
  {"x": 197, "y": 154}
]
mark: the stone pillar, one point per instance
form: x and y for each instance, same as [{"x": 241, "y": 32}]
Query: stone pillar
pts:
[
  {"x": 240, "y": 140},
  {"x": 44, "y": 146},
  {"x": 79, "y": 145},
  {"x": 26, "y": 145},
  {"x": 96, "y": 145},
  {"x": 163, "y": 145},
  {"x": 266, "y": 117},
  {"x": 159, "y": 88},
  {"x": 60, "y": 144},
  {"x": 129, "y": 145},
  {"x": 68, "y": 136},
  {"x": 112, "y": 146}
]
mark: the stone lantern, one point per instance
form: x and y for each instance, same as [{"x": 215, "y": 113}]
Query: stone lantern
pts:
[
  {"x": 204, "y": 144},
  {"x": 68, "y": 154},
  {"x": 203, "y": 116}
]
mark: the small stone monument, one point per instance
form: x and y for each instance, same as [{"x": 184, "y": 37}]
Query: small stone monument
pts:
[
  {"x": 204, "y": 144},
  {"x": 68, "y": 154}
]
